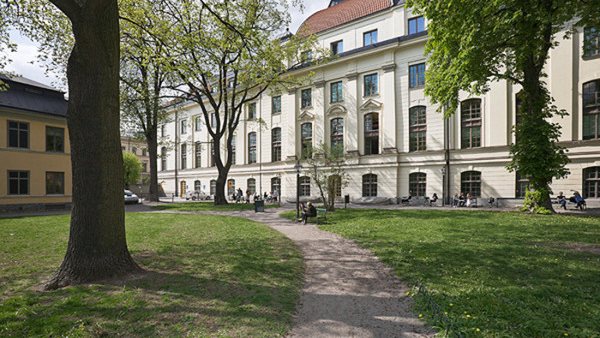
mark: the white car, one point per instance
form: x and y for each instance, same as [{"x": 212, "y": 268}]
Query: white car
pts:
[
  {"x": 130, "y": 197},
  {"x": 196, "y": 196}
]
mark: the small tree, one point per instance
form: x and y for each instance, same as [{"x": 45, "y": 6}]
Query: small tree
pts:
[
  {"x": 132, "y": 169},
  {"x": 326, "y": 170}
]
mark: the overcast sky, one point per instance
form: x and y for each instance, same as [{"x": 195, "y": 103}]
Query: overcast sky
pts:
[{"x": 23, "y": 61}]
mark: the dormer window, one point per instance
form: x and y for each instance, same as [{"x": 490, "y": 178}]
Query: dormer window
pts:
[
  {"x": 416, "y": 25},
  {"x": 337, "y": 47}
]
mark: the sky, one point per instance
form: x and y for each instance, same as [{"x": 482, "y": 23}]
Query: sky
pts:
[{"x": 24, "y": 60}]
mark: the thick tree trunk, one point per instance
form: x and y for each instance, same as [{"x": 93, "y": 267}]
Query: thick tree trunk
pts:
[
  {"x": 97, "y": 247},
  {"x": 220, "y": 197},
  {"x": 223, "y": 169},
  {"x": 153, "y": 194}
]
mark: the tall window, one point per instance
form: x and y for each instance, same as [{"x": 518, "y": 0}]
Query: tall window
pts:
[
  {"x": 252, "y": 185},
  {"x": 197, "y": 185},
  {"x": 55, "y": 183},
  {"x": 233, "y": 150},
  {"x": 591, "y": 182},
  {"x": 252, "y": 111},
  {"x": 417, "y": 184},
  {"x": 213, "y": 187},
  {"x": 276, "y": 105},
  {"x": 163, "y": 159},
  {"x": 276, "y": 145},
  {"x": 252, "y": 148},
  {"x": 369, "y": 185},
  {"x": 591, "y": 110},
  {"x": 213, "y": 120},
  {"x": 198, "y": 155},
  {"x": 213, "y": 158},
  {"x": 55, "y": 139},
  {"x": 18, "y": 134},
  {"x": 371, "y": 134},
  {"x": 276, "y": 185},
  {"x": 18, "y": 182},
  {"x": 470, "y": 117},
  {"x": 337, "y": 93},
  {"x": 335, "y": 182},
  {"x": 306, "y": 140},
  {"x": 230, "y": 187},
  {"x": 183, "y": 156},
  {"x": 370, "y": 38},
  {"x": 304, "y": 186},
  {"x": 306, "y": 98},
  {"x": 416, "y": 75},
  {"x": 337, "y": 47},
  {"x": 470, "y": 182},
  {"x": 591, "y": 42},
  {"x": 337, "y": 134},
  {"x": 198, "y": 123},
  {"x": 418, "y": 128},
  {"x": 416, "y": 25},
  {"x": 522, "y": 185},
  {"x": 162, "y": 130},
  {"x": 371, "y": 85},
  {"x": 183, "y": 128}
]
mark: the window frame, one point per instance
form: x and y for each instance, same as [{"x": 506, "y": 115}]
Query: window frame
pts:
[
  {"x": 417, "y": 184},
  {"x": 163, "y": 158},
  {"x": 183, "y": 155},
  {"x": 336, "y": 133},
  {"x": 373, "y": 37},
  {"x": 197, "y": 154},
  {"x": 252, "y": 147},
  {"x": 304, "y": 183},
  {"x": 335, "y": 47},
  {"x": 19, "y": 132},
  {"x": 591, "y": 110},
  {"x": 467, "y": 180},
  {"x": 306, "y": 102},
  {"x": 54, "y": 137},
  {"x": 591, "y": 35},
  {"x": 306, "y": 141},
  {"x": 371, "y": 135},
  {"x": 417, "y": 135},
  {"x": 61, "y": 184},
  {"x": 276, "y": 108},
  {"x": 470, "y": 123},
  {"x": 594, "y": 180},
  {"x": 521, "y": 185},
  {"x": 183, "y": 127},
  {"x": 19, "y": 179},
  {"x": 251, "y": 185},
  {"x": 369, "y": 185},
  {"x": 339, "y": 92},
  {"x": 276, "y": 144},
  {"x": 416, "y": 75},
  {"x": 373, "y": 88},
  {"x": 276, "y": 185},
  {"x": 418, "y": 20}
]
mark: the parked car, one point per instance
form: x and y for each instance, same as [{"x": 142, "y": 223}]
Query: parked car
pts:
[
  {"x": 196, "y": 196},
  {"x": 130, "y": 197}
]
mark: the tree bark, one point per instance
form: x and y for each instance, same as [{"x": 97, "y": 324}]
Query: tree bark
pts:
[
  {"x": 152, "y": 141},
  {"x": 97, "y": 247}
]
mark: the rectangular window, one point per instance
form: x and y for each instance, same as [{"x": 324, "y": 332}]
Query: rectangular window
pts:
[
  {"x": 276, "y": 105},
  {"x": 470, "y": 124},
  {"x": 18, "y": 182},
  {"x": 591, "y": 110},
  {"x": 522, "y": 185},
  {"x": 306, "y": 138},
  {"x": 416, "y": 25},
  {"x": 416, "y": 75},
  {"x": 591, "y": 42},
  {"x": 18, "y": 134},
  {"x": 306, "y": 98},
  {"x": 198, "y": 154},
  {"x": 276, "y": 145},
  {"x": 371, "y": 84},
  {"x": 252, "y": 111},
  {"x": 418, "y": 128},
  {"x": 198, "y": 123},
  {"x": 337, "y": 47},
  {"x": 233, "y": 151},
  {"x": 184, "y": 156},
  {"x": 306, "y": 56},
  {"x": 162, "y": 131},
  {"x": 252, "y": 148},
  {"x": 163, "y": 159},
  {"x": 370, "y": 38},
  {"x": 213, "y": 120},
  {"x": 213, "y": 159},
  {"x": 55, "y": 183},
  {"x": 337, "y": 94},
  {"x": 144, "y": 167},
  {"x": 183, "y": 127},
  {"x": 55, "y": 139}
]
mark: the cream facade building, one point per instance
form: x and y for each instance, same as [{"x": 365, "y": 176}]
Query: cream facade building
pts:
[{"x": 371, "y": 101}]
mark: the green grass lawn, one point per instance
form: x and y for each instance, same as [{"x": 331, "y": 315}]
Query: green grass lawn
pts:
[
  {"x": 208, "y": 206},
  {"x": 208, "y": 276},
  {"x": 487, "y": 273}
]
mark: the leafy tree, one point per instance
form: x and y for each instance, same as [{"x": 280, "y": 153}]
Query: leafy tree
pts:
[
  {"x": 226, "y": 55},
  {"x": 472, "y": 43},
  {"x": 97, "y": 247},
  {"x": 132, "y": 169},
  {"x": 326, "y": 170}
]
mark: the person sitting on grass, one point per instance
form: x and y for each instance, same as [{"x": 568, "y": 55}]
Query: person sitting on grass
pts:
[
  {"x": 309, "y": 211},
  {"x": 562, "y": 200}
]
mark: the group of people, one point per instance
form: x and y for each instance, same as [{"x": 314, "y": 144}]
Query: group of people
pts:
[
  {"x": 271, "y": 197},
  {"x": 577, "y": 199},
  {"x": 462, "y": 200},
  {"x": 307, "y": 210}
]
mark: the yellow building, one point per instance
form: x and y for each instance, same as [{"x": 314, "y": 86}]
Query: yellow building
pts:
[{"x": 35, "y": 161}]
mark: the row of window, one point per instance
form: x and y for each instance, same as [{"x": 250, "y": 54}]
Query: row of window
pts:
[
  {"x": 19, "y": 182},
  {"x": 18, "y": 137}
]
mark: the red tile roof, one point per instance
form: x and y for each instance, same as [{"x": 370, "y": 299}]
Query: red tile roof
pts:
[{"x": 342, "y": 13}]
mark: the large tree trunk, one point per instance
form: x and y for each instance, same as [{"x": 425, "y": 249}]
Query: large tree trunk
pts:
[
  {"x": 153, "y": 194},
  {"x": 97, "y": 247},
  {"x": 220, "y": 196}
]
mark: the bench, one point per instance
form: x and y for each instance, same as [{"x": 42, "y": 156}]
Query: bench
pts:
[{"x": 321, "y": 216}]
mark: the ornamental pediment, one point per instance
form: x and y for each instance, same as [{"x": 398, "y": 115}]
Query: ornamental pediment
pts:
[
  {"x": 337, "y": 109},
  {"x": 371, "y": 104},
  {"x": 306, "y": 116}
]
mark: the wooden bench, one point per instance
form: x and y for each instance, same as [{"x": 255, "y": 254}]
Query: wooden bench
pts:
[{"x": 321, "y": 216}]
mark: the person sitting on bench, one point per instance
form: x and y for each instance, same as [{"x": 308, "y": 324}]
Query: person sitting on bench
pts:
[
  {"x": 562, "y": 200},
  {"x": 578, "y": 200},
  {"x": 309, "y": 211}
]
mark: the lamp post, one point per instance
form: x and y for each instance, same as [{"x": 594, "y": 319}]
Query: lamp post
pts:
[{"x": 298, "y": 167}]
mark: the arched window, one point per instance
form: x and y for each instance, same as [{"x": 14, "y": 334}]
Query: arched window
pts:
[
  {"x": 417, "y": 184},
  {"x": 591, "y": 110},
  {"x": 369, "y": 185},
  {"x": 252, "y": 185},
  {"x": 252, "y": 148},
  {"x": 337, "y": 134},
  {"x": 163, "y": 159},
  {"x": 276, "y": 185},
  {"x": 591, "y": 182},
  {"x": 276, "y": 145},
  {"x": 213, "y": 187},
  {"x": 335, "y": 184},
  {"x": 417, "y": 119},
  {"x": 306, "y": 140},
  {"x": 197, "y": 185},
  {"x": 304, "y": 186},
  {"x": 371, "y": 134},
  {"x": 470, "y": 117},
  {"x": 470, "y": 182},
  {"x": 230, "y": 187}
]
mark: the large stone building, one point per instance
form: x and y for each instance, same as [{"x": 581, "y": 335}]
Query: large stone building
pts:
[
  {"x": 371, "y": 101},
  {"x": 35, "y": 157}
]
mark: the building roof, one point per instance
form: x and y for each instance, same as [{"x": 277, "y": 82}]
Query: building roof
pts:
[
  {"x": 28, "y": 95},
  {"x": 341, "y": 13}
]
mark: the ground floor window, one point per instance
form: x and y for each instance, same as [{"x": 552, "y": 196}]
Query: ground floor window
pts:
[
  {"x": 18, "y": 182},
  {"x": 369, "y": 183},
  {"x": 417, "y": 184},
  {"x": 522, "y": 186},
  {"x": 305, "y": 186},
  {"x": 470, "y": 183},
  {"x": 55, "y": 183},
  {"x": 252, "y": 186},
  {"x": 230, "y": 187},
  {"x": 213, "y": 187},
  {"x": 276, "y": 185},
  {"x": 335, "y": 182},
  {"x": 591, "y": 182},
  {"x": 197, "y": 186}
]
